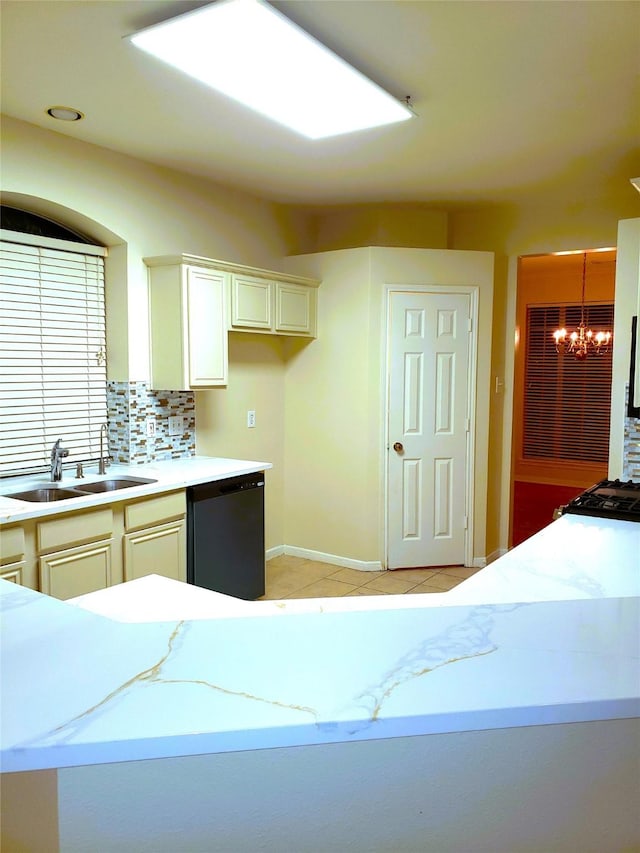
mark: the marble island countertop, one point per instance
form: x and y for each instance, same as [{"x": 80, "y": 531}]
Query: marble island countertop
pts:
[
  {"x": 79, "y": 687},
  {"x": 168, "y": 474},
  {"x": 524, "y": 574}
]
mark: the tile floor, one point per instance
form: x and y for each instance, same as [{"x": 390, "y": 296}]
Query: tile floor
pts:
[{"x": 294, "y": 577}]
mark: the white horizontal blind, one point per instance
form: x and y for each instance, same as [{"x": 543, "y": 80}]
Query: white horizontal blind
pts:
[
  {"x": 567, "y": 402},
  {"x": 52, "y": 353}
]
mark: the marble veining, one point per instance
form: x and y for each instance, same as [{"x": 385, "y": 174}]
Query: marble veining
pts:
[
  {"x": 150, "y": 674},
  {"x": 466, "y": 639},
  {"x": 80, "y": 688},
  {"x": 573, "y": 557}
]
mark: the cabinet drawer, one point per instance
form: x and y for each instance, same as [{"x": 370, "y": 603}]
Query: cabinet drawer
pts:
[
  {"x": 67, "y": 530},
  {"x": 146, "y": 513},
  {"x": 11, "y": 544}
]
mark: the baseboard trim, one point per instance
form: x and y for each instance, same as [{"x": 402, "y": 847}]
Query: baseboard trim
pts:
[
  {"x": 499, "y": 552},
  {"x": 321, "y": 557},
  {"x": 359, "y": 565},
  {"x": 270, "y": 553}
]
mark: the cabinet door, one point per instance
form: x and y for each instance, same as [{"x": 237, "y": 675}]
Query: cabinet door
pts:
[
  {"x": 12, "y": 572},
  {"x": 251, "y": 303},
  {"x": 76, "y": 571},
  {"x": 294, "y": 308},
  {"x": 12, "y": 554},
  {"x": 207, "y": 351},
  {"x": 160, "y": 550}
]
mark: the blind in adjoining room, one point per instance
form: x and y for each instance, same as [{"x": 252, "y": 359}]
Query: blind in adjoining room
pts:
[
  {"x": 567, "y": 402},
  {"x": 52, "y": 352}
]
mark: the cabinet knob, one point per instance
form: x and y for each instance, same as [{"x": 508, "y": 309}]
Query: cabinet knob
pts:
[{"x": 398, "y": 447}]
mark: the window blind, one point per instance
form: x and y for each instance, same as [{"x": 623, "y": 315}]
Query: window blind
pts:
[
  {"x": 52, "y": 351},
  {"x": 567, "y": 402}
]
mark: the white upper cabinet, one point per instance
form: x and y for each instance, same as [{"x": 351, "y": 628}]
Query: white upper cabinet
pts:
[
  {"x": 251, "y": 303},
  {"x": 194, "y": 302},
  {"x": 188, "y": 320},
  {"x": 274, "y": 306},
  {"x": 295, "y": 309}
]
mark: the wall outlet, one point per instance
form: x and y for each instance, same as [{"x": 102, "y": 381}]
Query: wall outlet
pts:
[
  {"x": 251, "y": 418},
  {"x": 176, "y": 425},
  {"x": 151, "y": 427}
]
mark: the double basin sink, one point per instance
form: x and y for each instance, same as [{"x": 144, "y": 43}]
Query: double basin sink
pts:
[{"x": 44, "y": 494}]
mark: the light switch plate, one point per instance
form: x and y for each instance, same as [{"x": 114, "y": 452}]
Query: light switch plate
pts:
[{"x": 176, "y": 425}]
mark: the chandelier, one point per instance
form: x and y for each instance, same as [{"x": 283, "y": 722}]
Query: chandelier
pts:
[{"x": 582, "y": 341}]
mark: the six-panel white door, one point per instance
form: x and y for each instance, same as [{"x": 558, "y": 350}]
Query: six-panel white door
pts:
[{"x": 428, "y": 428}]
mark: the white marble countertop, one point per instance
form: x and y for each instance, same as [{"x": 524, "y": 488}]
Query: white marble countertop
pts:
[
  {"x": 78, "y": 687},
  {"x": 168, "y": 474},
  {"x": 554, "y": 565}
]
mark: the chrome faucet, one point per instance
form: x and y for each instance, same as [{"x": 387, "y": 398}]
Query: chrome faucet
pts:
[
  {"x": 58, "y": 453},
  {"x": 103, "y": 464}
]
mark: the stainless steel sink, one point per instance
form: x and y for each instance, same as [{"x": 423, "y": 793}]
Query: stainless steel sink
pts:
[
  {"x": 113, "y": 484},
  {"x": 44, "y": 494}
]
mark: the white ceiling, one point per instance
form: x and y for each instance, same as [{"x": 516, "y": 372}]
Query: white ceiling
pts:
[{"x": 539, "y": 98}]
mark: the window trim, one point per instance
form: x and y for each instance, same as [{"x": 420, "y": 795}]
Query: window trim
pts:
[{"x": 52, "y": 243}]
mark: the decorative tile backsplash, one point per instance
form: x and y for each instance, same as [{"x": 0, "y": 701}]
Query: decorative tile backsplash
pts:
[
  {"x": 631, "y": 451},
  {"x": 130, "y": 405}
]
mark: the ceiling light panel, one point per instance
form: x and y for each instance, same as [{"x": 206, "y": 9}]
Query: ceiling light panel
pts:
[{"x": 255, "y": 55}]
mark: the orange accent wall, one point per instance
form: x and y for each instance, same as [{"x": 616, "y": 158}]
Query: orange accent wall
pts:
[
  {"x": 533, "y": 506},
  {"x": 549, "y": 280}
]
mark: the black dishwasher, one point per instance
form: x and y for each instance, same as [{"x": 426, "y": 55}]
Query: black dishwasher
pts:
[{"x": 225, "y": 536}]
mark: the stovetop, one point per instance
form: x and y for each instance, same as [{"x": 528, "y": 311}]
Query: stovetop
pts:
[{"x": 608, "y": 499}]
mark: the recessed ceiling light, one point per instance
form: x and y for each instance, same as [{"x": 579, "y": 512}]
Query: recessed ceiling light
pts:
[
  {"x": 65, "y": 113},
  {"x": 254, "y": 54}
]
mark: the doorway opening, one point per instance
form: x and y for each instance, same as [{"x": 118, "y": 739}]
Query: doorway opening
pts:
[{"x": 561, "y": 404}]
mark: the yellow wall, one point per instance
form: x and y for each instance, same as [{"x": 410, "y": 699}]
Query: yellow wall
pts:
[
  {"x": 627, "y": 306},
  {"x": 256, "y": 381},
  {"x": 354, "y": 226},
  {"x": 547, "y": 280},
  {"x": 335, "y": 395},
  {"x": 141, "y": 210},
  {"x": 152, "y": 211},
  {"x": 511, "y": 231}
]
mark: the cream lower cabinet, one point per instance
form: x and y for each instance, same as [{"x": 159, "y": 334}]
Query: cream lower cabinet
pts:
[
  {"x": 74, "y": 553},
  {"x": 156, "y": 548},
  {"x": 77, "y": 571},
  {"x": 13, "y": 549}
]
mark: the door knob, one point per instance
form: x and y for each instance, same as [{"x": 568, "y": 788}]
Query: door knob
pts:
[{"x": 398, "y": 447}]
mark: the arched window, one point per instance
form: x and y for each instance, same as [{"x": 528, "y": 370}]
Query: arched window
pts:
[{"x": 52, "y": 343}]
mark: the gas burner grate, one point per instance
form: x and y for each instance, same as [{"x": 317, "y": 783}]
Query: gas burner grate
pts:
[{"x": 608, "y": 499}]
